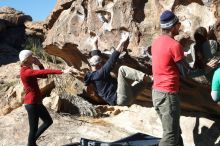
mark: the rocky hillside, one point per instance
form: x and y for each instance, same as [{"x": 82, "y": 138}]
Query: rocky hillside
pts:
[{"x": 66, "y": 33}]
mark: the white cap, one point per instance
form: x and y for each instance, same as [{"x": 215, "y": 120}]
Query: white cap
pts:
[
  {"x": 94, "y": 60},
  {"x": 24, "y": 54}
]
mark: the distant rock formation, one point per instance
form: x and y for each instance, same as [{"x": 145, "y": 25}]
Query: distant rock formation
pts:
[
  {"x": 15, "y": 27},
  {"x": 12, "y": 33}
]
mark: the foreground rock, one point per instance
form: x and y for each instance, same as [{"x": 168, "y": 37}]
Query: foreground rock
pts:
[{"x": 65, "y": 129}]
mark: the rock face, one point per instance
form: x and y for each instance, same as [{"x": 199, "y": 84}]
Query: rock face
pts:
[
  {"x": 15, "y": 28},
  {"x": 12, "y": 33},
  {"x": 35, "y": 29},
  {"x": 67, "y": 32},
  {"x": 73, "y": 23},
  {"x": 12, "y": 21}
]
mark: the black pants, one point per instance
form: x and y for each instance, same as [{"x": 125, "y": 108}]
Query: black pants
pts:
[{"x": 36, "y": 111}]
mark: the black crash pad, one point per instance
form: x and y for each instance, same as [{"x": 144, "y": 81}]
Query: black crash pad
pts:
[{"x": 138, "y": 139}]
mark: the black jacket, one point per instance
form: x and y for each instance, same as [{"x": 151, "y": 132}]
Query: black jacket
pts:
[{"x": 105, "y": 85}]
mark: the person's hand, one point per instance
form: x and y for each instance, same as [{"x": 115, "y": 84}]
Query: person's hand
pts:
[
  {"x": 67, "y": 70},
  {"x": 36, "y": 61},
  {"x": 94, "y": 40},
  {"x": 124, "y": 36},
  {"x": 123, "y": 44},
  {"x": 147, "y": 78},
  {"x": 211, "y": 29},
  {"x": 94, "y": 43},
  {"x": 185, "y": 54},
  {"x": 212, "y": 64},
  {"x": 72, "y": 70},
  {"x": 75, "y": 71}
]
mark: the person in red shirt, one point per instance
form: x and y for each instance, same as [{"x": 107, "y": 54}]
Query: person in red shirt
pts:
[
  {"x": 167, "y": 65},
  {"x": 33, "y": 98},
  {"x": 166, "y": 52}
]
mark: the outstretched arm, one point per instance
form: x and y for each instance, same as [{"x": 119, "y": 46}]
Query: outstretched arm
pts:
[
  {"x": 40, "y": 73},
  {"x": 186, "y": 71},
  {"x": 112, "y": 60}
]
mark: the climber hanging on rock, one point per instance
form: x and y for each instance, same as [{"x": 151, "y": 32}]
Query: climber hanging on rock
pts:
[{"x": 114, "y": 92}]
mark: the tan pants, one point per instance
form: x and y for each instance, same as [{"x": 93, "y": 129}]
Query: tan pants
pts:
[{"x": 126, "y": 92}]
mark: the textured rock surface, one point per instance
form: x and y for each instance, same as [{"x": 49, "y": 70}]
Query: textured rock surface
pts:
[
  {"x": 12, "y": 26},
  {"x": 35, "y": 29},
  {"x": 11, "y": 33},
  {"x": 75, "y": 23},
  {"x": 67, "y": 34},
  {"x": 72, "y": 23}
]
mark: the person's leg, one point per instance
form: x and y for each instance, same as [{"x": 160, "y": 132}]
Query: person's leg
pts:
[
  {"x": 168, "y": 106},
  {"x": 33, "y": 123},
  {"x": 124, "y": 90},
  {"x": 158, "y": 98},
  {"x": 45, "y": 117},
  {"x": 138, "y": 87}
]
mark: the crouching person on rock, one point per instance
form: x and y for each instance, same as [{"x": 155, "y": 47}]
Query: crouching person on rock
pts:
[
  {"x": 33, "y": 98},
  {"x": 115, "y": 92}
]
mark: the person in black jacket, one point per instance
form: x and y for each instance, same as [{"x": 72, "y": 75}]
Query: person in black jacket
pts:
[{"x": 114, "y": 92}]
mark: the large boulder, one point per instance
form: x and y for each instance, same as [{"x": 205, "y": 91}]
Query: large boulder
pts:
[
  {"x": 12, "y": 26},
  {"x": 73, "y": 23},
  {"x": 12, "y": 33},
  {"x": 12, "y": 17}
]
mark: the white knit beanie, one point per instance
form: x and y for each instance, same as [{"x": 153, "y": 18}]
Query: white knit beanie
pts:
[
  {"x": 94, "y": 60},
  {"x": 24, "y": 54}
]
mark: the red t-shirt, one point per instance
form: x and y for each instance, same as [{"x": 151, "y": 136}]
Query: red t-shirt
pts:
[
  {"x": 165, "y": 53},
  {"x": 29, "y": 80}
]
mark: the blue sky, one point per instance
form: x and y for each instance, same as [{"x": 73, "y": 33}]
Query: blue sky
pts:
[{"x": 37, "y": 9}]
